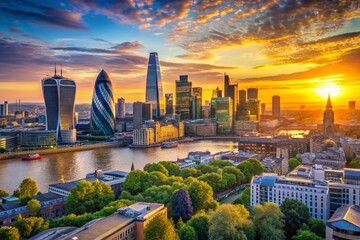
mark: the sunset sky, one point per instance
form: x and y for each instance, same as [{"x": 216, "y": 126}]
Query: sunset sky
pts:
[{"x": 300, "y": 50}]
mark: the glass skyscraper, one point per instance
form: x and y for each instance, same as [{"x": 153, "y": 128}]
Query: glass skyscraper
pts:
[
  {"x": 154, "y": 91},
  {"x": 59, "y": 96},
  {"x": 183, "y": 97},
  {"x": 102, "y": 119},
  {"x": 222, "y": 113}
]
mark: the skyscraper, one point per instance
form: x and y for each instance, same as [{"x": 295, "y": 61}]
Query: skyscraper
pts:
[
  {"x": 4, "y": 109},
  {"x": 196, "y": 103},
  {"x": 231, "y": 90},
  {"x": 217, "y": 93},
  {"x": 276, "y": 106},
  {"x": 242, "y": 103},
  {"x": 254, "y": 106},
  {"x": 102, "y": 119},
  {"x": 59, "y": 96},
  {"x": 221, "y": 112},
  {"x": 141, "y": 112},
  {"x": 328, "y": 121},
  {"x": 183, "y": 97},
  {"x": 263, "y": 108},
  {"x": 252, "y": 93},
  {"x": 154, "y": 91},
  {"x": 169, "y": 103},
  {"x": 121, "y": 108}
]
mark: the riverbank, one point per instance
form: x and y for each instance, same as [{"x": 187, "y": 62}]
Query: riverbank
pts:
[{"x": 60, "y": 150}]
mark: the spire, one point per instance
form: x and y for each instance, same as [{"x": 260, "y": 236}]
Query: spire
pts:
[
  {"x": 55, "y": 70},
  {"x": 132, "y": 167},
  {"x": 61, "y": 70},
  {"x": 328, "y": 104}
]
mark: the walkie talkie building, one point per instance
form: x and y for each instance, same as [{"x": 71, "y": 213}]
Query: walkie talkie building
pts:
[
  {"x": 59, "y": 95},
  {"x": 102, "y": 119},
  {"x": 154, "y": 91}
]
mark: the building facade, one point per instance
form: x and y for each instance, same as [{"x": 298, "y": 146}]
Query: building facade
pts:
[
  {"x": 154, "y": 90},
  {"x": 141, "y": 112},
  {"x": 222, "y": 113},
  {"x": 196, "y": 103},
  {"x": 121, "y": 108},
  {"x": 231, "y": 90},
  {"x": 143, "y": 136},
  {"x": 59, "y": 96},
  {"x": 102, "y": 118},
  {"x": 4, "y": 109},
  {"x": 276, "y": 107},
  {"x": 344, "y": 224},
  {"x": 169, "y": 100},
  {"x": 183, "y": 97},
  {"x": 328, "y": 121}
]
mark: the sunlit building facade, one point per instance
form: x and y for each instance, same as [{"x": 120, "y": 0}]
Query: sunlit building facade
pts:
[
  {"x": 196, "y": 102},
  {"x": 102, "y": 118},
  {"x": 121, "y": 108},
  {"x": 231, "y": 90},
  {"x": 276, "y": 106},
  {"x": 183, "y": 97},
  {"x": 169, "y": 100},
  {"x": 59, "y": 95},
  {"x": 154, "y": 91},
  {"x": 222, "y": 113}
]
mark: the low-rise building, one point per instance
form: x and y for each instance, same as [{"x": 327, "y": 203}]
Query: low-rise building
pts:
[
  {"x": 344, "y": 224},
  {"x": 128, "y": 223},
  {"x": 200, "y": 128},
  {"x": 9, "y": 143}
]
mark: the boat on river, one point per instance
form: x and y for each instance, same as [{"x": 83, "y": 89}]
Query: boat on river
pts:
[
  {"x": 31, "y": 157},
  {"x": 169, "y": 144}
]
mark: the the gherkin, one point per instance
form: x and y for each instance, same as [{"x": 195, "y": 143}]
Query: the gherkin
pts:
[{"x": 102, "y": 119}]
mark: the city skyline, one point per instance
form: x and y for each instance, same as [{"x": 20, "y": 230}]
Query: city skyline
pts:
[{"x": 285, "y": 56}]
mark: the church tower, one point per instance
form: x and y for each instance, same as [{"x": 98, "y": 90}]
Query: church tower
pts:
[{"x": 328, "y": 121}]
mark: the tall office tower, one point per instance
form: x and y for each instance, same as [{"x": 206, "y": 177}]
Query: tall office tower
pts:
[
  {"x": 242, "y": 103},
  {"x": 221, "y": 112},
  {"x": 169, "y": 103},
  {"x": 231, "y": 90},
  {"x": 253, "y": 105},
  {"x": 352, "y": 105},
  {"x": 183, "y": 97},
  {"x": 141, "y": 112},
  {"x": 102, "y": 118},
  {"x": 328, "y": 121},
  {"x": 121, "y": 107},
  {"x": 197, "y": 102},
  {"x": 276, "y": 106},
  {"x": 252, "y": 93},
  {"x": 263, "y": 108},
  {"x": 217, "y": 93},
  {"x": 154, "y": 91},
  {"x": 4, "y": 109},
  {"x": 59, "y": 96}
]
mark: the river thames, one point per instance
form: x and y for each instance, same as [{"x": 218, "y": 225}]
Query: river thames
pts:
[{"x": 75, "y": 165}]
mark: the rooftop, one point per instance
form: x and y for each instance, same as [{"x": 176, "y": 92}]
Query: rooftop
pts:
[{"x": 346, "y": 218}]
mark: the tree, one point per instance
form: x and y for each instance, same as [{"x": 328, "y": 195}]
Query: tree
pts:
[
  {"x": 156, "y": 179},
  {"x": 34, "y": 207},
  {"x": 201, "y": 194},
  {"x": 181, "y": 205},
  {"x": 306, "y": 235},
  {"x": 268, "y": 220},
  {"x": 135, "y": 182},
  {"x": 231, "y": 222},
  {"x": 189, "y": 172},
  {"x": 16, "y": 193},
  {"x": 160, "y": 194},
  {"x": 214, "y": 180},
  {"x": 316, "y": 226},
  {"x": 220, "y": 163},
  {"x": 205, "y": 168},
  {"x": 88, "y": 197},
  {"x": 31, "y": 226},
  {"x": 200, "y": 222},
  {"x": 187, "y": 233},
  {"x": 28, "y": 188},
  {"x": 228, "y": 181},
  {"x": 355, "y": 163},
  {"x": 296, "y": 213},
  {"x": 3, "y": 193},
  {"x": 2, "y": 150},
  {"x": 152, "y": 167},
  {"x": 172, "y": 168},
  {"x": 250, "y": 168},
  {"x": 9, "y": 233},
  {"x": 240, "y": 178},
  {"x": 293, "y": 163},
  {"x": 160, "y": 228}
]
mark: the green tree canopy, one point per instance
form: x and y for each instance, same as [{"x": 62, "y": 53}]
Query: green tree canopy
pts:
[
  {"x": 9, "y": 233},
  {"x": 151, "y": 167},
  {"x": 296, "y": 214},
  {"x": 268, "y": 221},
  {"x": 250, "y": 168},
  {"x": 88, "y": 197},
  {"x": 28, "y": 188},
  {"x": 231, "y": 222},
  {"x": 189, "y": 172},
  {"x": 214, "y": 180},
  {"x": 31, "y": 226},
  {"x": 201, "y": 194},
  {"x": 244, "y": 199},
  {"x": 293, "y": 163},
  {"x": 316, "y": 226},
  {"x": 34, "y": 207},
  {"x": 220, "y": 163},
  {"x": 200, "y": 222},
  {"x": 240, "y": 178},
  {"x": 355, "y": 163},
  {"x": 156, "y": 179},
  {"x": 136, "y": 182},
  {"x": 3, "y": 193},
  {"x": 306, "y": 235},
  {"x": 159, "y": 228},
  {"x": 205, "y": 168},
  {"x": 172, "y": 168},
  {"x": 187, "y": 233}
]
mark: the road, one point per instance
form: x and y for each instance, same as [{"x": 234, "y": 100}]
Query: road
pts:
[{"x": 232, "y": 197}]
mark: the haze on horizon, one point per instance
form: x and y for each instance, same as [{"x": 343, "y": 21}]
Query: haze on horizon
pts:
[{"x": 300, "y": 50}]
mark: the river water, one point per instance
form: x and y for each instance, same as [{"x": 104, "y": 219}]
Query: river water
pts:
[{"x": 75, "y": 165}]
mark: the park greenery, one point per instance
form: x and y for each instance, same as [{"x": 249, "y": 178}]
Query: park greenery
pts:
[
  {"x": 293, "y": 163},
  {"x": 193, "y": 213}
]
